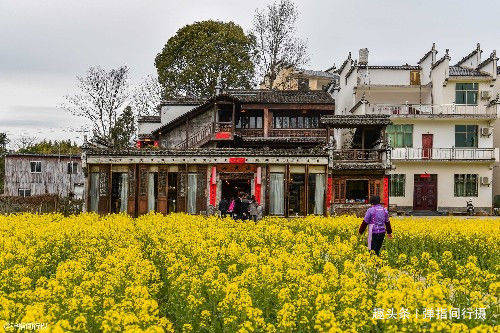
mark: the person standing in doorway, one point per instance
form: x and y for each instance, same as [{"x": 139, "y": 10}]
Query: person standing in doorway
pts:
[
  {"x": 230, "y": 209},
  {"x": 237, "y": 207},
  {"x": 245, "y": 206},
  {"x": 377, "y": 221},
  {"x": 223, "y": 207},
  {"x": 253, "y": 208}
]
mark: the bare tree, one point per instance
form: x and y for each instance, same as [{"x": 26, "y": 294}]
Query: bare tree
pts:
[
  {"x": 25, "y": 141},
  {"x": 277, "y": 44},
  {"x": 147, "y": 95},
  {"x": 101, "y": 98}
]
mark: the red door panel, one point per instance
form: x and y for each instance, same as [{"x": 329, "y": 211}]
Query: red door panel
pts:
[
  {"x": 425, "y": 192},
  {"x": 427, "y": 143}
]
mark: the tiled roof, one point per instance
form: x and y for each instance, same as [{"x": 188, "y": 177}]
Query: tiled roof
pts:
[
  {"x": 257, "y": 96},
  {"x": 316, "y": 73},
  {"x": 37, "y": 155},
  {"x": 183, "y": 101},
  {"x": 462, "y": 71},
  {"x": 149, "y": 119},
  {"x": 281, "y": 96}
]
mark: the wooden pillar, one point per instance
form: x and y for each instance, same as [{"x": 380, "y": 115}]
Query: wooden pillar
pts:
[
  {"x": 181, "y": 188},
  {"x": 306, "y": 190},
  {"x": 234, "y": 116},
  {"x": 287, "y": 189},
  {"x": 201, "y": 190},
  {"x": 266, "y": 122},
  {"x": 268, "y": 189}
]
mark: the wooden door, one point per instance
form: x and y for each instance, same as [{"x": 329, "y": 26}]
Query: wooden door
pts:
[
  {"x": 425, "y": 192},
  {"x": 104, "y": 189},
  {"x": 142, "y": 204},
  {"x": 427, "y": 142},
  {"x": 132, "y": 187},
  {"x": 162, "y": 189}
]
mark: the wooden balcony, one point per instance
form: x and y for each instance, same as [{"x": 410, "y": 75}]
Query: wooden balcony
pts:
[
  {"x": 358, "y": 155},
  {"x": 250, "y": 132}
]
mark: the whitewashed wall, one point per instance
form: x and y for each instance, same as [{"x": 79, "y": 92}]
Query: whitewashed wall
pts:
[
  {"x": 147, "y": 128},
  {"x": 384, "y": 76},
  {"x": 443, "y": 131},
  {"x": 445, "y": 182}
]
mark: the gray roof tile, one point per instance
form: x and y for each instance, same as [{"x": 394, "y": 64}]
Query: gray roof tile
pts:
[{"x": 463, "y": 71}]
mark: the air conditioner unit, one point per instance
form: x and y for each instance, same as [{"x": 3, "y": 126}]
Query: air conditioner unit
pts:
[
  {"x": 485, "y": 94},
  {"x": 485, "y": 131},
  {"x": 485, "y": 181}
]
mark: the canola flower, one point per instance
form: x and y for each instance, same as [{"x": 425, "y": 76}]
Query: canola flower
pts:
[{"x": 182, "y": 273}]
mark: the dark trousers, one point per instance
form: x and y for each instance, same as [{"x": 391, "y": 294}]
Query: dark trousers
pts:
[{"x": 377, "y": 240}]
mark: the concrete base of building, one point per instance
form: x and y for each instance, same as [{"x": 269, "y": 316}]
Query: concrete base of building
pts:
[
  {"x": 408, "y": 210},
  {"x": 349, "y": 209}
]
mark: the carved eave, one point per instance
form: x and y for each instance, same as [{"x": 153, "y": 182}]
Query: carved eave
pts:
[{"x": 207, "y": 156}]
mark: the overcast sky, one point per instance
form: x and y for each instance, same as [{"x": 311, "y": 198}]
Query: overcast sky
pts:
[{"x": 44, "y": 44}]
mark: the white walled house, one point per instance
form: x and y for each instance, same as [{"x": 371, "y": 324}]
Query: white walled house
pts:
[{"x": 443, "y": 146}]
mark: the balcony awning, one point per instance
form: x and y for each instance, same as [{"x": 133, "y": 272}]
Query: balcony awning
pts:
[{"x": 351, "y": 121}]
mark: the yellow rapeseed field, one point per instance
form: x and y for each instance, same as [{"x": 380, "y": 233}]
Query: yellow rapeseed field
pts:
[{"x": 182, "y": 273}]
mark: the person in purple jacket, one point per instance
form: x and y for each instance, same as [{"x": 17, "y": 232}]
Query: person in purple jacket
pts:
[{"x": 377, "y": 220}]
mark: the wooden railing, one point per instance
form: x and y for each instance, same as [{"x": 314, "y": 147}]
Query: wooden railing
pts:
[
  {"x": 443, "y": 154},
  {"x": 197, "y": 138},
  {"x": 250, "y": 132},
  {"x": 298, "y": 132},
  {"x": 366, "y": 155},
  {"x": 223, "y": 127}
]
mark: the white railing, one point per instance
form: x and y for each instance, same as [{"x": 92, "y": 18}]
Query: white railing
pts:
[
  {"x": 443, "y": 154},
  {"x": 429, "y": 110}
]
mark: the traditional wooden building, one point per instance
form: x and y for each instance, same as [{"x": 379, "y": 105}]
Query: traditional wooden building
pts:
[
  {"x": 39, "y": 174},
  {"x": 276, "y": 145}
]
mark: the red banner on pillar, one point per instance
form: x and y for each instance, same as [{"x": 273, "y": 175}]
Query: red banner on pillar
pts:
[
  {"x": 386, "y": 192},
  {"x": 213, "y": 187},
  {"x": 258, "y": 184},
  {"x": 329, "y": 194}
]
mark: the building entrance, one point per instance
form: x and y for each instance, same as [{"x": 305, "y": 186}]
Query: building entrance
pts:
[{"x": 232, "y": 187}]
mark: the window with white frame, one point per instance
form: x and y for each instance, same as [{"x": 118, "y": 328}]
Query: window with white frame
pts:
[
  {"x": 466, "y": 185},
  {"x": 36, "y": 166},
  {"x": 72, "y": 168},
  {"x": 24, "y": 192}
]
